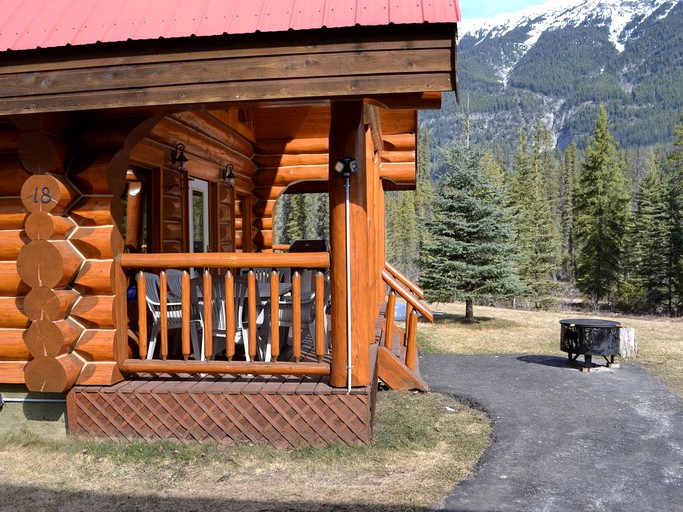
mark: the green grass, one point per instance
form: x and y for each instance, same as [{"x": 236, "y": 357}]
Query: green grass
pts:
[
  {"x": 423, "y": 445},
  {"x": 514, "y": 331}
]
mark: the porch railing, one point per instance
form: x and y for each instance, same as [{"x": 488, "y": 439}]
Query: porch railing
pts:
[
  {"x": 223, "y": 266},
  {"x": 400, "y": 285}
]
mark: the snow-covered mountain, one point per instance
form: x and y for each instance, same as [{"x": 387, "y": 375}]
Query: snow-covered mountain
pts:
[{"x": 557, "y": 61}]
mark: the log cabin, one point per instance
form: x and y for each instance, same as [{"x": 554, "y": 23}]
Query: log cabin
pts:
[{"x": 140, "y": 138}]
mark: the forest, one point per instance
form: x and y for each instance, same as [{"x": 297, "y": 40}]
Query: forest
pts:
[{"x": 534, "y": 226}]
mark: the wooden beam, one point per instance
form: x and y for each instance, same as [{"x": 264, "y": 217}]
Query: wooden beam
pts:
[{"x": 347, "y": 138}]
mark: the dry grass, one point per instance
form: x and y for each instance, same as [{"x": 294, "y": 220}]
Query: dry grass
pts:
[
  {"x": 507, "y": 331},
  {"x": 424, "y": 444}
]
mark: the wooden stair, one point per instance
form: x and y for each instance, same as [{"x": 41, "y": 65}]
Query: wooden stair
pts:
[{"x": 391, "y": 366}]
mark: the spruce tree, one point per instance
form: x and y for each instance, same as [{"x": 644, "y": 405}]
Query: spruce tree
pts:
[
  {"x": 568, "y": 179},
  {"x": 537, "y": 233},
  {"x": 469, "y": 243},
  {"x": 602, "y": 208},
  {"x": 674, "y": 204},
  {"x": 651, "y": 243}
]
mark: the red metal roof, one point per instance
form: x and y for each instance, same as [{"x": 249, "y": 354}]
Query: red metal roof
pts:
[{"x": 29, "y": 24}]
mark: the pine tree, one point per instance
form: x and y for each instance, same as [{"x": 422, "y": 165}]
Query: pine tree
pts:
[
  {"x": 537, "y": 234},
  {"x": 568, "y": 179},
  {"x": 674, "y": 187},
  {"x": 651, "y": 245},
  {"x": 602, "y": 209},
  {"x": 469, "y": 240}
]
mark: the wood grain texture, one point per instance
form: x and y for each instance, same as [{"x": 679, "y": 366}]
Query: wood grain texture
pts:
[
  {"x": 43, "y": 303},
  {"x": 47, "y": 193},
  {"x": 47, "y": 338},
  {"x": 45, "y": 226},
  {"x": 12, "y": 372},
  {"x": 51, "y": 264},
  {"x": 12, "y": 347},
  {"x": 97, "y": 345},
  {"x": 52, "y": 375},
  {"x": 95, "y": 311},
  {"x": 99, "y": 374},
  {"x": 12, "y": 314}
]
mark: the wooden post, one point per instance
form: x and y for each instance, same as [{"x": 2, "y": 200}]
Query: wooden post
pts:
[{"x": 347, "y": 138}]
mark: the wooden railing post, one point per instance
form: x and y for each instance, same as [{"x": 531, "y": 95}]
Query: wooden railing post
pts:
[
  {"x": 389, "y": 317},
  {"x": 411, "y": 341}
]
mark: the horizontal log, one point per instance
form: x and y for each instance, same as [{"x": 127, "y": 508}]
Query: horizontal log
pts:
[
  {"x": 209, "y": 125},
  {"x": 12, "y": 346},
  {"x": 51, "y": 339},
  {"x": 11, "y": 243},
  {"x": 99, "y": 374},
  {"x": 12, "y": 372},
  {"x": 101, "y": 242},
  {"x": 225, "y": 260},
  {"x": 265, "y": 193},
  {"x": 12, "y": 212},
  {"x": 284, "y": 146},
  {"x": 264, "y": 208},
  {"x": 225, "y": 367},
  {"x": 291, "y": 160},
  {"x": 95, "y": 278},
  {"x": 39, "y": 153},
  {"x": 97, "y": 345},
  {"x": 12, "y": 314},
  {"x": 400, "y": 142},
  {"x": 352, "y": 66},
  {"x": 46, "y": 226},
  {"x": 231, "y": 117},
  {"x": 263, "y": 223},
  {"x": 89, "y": 171},
  {"x": 284, "y": 176},
  {"x": 52, "y": 375},
  {"x": 47, "y": 193},
  {"x": 97, "y": 211},
  {"x": 43, "y": 303},
  {"x": 51, "y": 264},
  {"x": 398, "y": 156},
  {"x": 11, "y": 284},
  {"x": 12, "y": 175},
  {"x": 95, "y": 312},
  {"x": 169, "y": 131},
  {"x": 264, "y": 238},
  {"x": 111, "y": 133},
  {"x": 399, "y": 173}
]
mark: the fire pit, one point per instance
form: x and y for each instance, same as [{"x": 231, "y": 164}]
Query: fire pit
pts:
[{"x": 590, "y": 337}]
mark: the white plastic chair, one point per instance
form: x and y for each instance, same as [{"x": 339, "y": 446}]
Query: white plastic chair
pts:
[
  {"x": 307, "y": 307},
  {"x": 173, "y": 315},
  {"x": 219, "y": 324}
]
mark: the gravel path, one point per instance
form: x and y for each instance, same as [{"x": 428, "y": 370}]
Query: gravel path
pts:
[{"x": 564, "y": 440}]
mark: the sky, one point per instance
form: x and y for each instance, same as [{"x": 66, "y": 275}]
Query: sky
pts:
[{"x": 487, "y": 8}]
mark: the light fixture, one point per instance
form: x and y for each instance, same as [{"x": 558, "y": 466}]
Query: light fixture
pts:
[
  {"x": 229, "y": 174},
  {"x": 178, "y": 156}
]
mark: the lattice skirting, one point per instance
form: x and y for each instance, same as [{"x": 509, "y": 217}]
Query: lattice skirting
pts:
[{"x": 283, "y": 420}]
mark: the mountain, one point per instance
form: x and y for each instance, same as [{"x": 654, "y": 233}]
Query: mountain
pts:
[{"x": 558, "y": 62}]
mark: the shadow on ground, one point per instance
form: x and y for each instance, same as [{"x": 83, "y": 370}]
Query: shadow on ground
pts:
[
  {"x": 555, "y": 361},
  {"x": 25, "y": 498},
  {"x": 480, "y": 322}
]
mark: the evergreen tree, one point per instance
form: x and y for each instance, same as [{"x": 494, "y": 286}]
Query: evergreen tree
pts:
[
  {"x": 602, "y": 209},
  {"x": 537, "y": 235},
  {"x": 674, "y": 206},
  {"x": 469, "y": 239},
  {"x": 651, "y": 243},
  {"x": 568, "y": 179}
]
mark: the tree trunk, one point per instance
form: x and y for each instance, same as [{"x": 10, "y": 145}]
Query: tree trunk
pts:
[{"x": 469, "y": 309}]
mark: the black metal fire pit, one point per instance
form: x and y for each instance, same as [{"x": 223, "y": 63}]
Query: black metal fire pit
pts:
[{"x": 590, "y": 337}]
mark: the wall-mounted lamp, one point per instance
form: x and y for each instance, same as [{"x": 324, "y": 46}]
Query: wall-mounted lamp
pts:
[
  {"x": 229, "y": 174},
  {"x": 178, "y": 156}
]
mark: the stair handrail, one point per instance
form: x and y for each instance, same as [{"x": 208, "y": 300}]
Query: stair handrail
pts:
[
  {"x": 406, "y": 295},
  {"x": 404, "y": 280}
]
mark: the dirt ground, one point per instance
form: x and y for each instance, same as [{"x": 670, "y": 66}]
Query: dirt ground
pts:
[{"x": 424, "y": 445}]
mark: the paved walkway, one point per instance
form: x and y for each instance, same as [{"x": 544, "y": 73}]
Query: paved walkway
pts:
[{"x": 564, "y": 440}]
